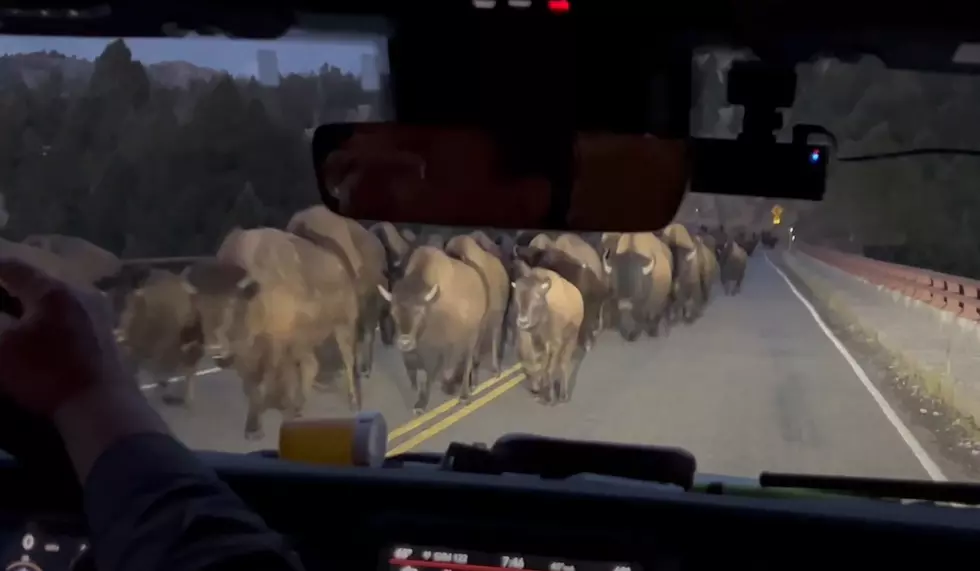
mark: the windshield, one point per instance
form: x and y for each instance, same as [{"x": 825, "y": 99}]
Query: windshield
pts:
[{"x": 133, "y": 160}]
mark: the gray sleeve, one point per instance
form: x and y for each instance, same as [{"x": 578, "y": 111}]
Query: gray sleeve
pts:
[{"x": 152, "y": 505}]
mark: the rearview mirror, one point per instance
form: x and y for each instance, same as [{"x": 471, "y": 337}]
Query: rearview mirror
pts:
[{"x": 583, "y": 181}]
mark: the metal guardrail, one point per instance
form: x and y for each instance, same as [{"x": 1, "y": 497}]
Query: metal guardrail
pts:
[{"x": 955, "y": 294}]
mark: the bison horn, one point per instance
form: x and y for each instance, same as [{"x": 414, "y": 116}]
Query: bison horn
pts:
[
  {"x": 384, "y": 293},
  {"x": 244, "y": 282},
  {"x": 431, "y": 295},
  {"x": 605, "y": 262},
  {"x": 647, "y": 269},
  {"x": 188, "y": 287}
]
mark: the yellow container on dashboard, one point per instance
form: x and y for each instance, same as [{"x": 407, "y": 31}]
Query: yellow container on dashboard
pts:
[{"x": 359, "y": 440}]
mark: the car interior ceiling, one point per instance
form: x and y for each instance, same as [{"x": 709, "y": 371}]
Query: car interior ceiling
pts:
[{"x": 382, "y": 518}]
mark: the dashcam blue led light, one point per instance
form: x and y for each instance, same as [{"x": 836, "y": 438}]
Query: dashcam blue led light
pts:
[{"x": 815, "y": 156}]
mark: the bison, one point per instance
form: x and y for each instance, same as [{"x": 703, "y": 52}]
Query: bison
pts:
[
  {"x": 733, "y": 262},
  {"x": 365, "y": 264},
  {"x": 435, "y": 240},
  {"x": 549, "y": 318},
  {"x": 639, "y": 270},
  {"x": 578, "y": 248},
  {"x": 161, "y": 331},
  {"x": 594, "y": 290},
  {"x": 506, "y": 243},
  {"x": 438, "y": 310},
  {"x": 686, "y": 293},
  {"x": 489, "y": 245},
  {"x": 268, "y": 300},
  {"x": 581, "y": 250},
  {"x": 540, "y": 241},
  {"x": 750, "y": 244},
  {"x": 708, "y": 270},
  {"x": 397, "y": 250},
  {"x": 467, "y": 249}
]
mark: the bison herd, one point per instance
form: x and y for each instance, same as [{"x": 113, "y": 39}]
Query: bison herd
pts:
[{"x": 295, "y": 309}]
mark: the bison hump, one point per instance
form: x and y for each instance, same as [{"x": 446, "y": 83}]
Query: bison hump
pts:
[{"x": 321, "y": 221}]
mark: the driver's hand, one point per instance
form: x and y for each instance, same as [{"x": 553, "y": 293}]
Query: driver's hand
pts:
[{"x": 61, "y": 345}]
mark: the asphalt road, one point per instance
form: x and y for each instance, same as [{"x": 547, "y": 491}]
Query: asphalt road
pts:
[{"x": 754, "y": 385}]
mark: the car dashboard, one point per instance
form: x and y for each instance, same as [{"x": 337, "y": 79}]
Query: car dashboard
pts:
[{"x": 420, "y": 518}]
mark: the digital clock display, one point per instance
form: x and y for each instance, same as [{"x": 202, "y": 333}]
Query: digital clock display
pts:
[{"x": 430, "y": 558}]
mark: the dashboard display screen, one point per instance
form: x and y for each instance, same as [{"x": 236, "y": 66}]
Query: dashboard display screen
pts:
[{"x": 428, "y": 558}]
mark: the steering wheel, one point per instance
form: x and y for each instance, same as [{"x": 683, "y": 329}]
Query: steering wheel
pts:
[{"x": 34, "y": 441}]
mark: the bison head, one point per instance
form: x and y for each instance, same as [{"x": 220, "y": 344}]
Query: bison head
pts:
[
  {"x": 222, "y": 292},
  {"x": 530, "y": 297},
  {"x": 726, "y": 250},
  {"x": 156, "y": 311},
  {"x": 410, "y": 305},
  {"x": 631, "y": 283}
]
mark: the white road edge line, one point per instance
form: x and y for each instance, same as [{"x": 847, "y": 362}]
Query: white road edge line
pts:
[
  {"x": 212, "y": 370},
  {"x": 921, "y": 455}
]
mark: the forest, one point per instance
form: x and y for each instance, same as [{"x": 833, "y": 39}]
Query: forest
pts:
[{"x": 147, "y": 169}]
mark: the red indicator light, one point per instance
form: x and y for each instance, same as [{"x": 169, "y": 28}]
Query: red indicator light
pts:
[{"x": 558, "y": 6}]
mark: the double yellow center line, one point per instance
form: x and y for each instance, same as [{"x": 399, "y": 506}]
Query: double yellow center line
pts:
[{"x": 489, "y": 389}]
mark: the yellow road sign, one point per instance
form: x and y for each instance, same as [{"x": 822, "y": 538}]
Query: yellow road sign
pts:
[{"x": 777, "y": 214}]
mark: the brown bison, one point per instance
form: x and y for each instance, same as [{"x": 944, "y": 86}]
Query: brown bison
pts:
[
  {"x": 506, "y": 243},
  {"x": 750, "y": 244},
  {"x": 549, "y": 317},
  {"x": 594, "y": 290},
  {"x": 397, "y": 250},
  {"x": 467, "y": 249},
  {"x": 581, "y": 250},
  {"x": 487, "y": 244},
  {"x": 435, "y": 240},
  {"x": 733, "y": 261},
  {"x": 541, "y": 241},
  {"x": 707, "y": 269},
  {"x": 639, "y": 270},
  {"x": 161, "y": 331},
  {"x": 365, "y": 262},
  {"x": 438, "y": 309},
  {"x": 686, "y": 292},
  {"x": 268, "y": 300}
]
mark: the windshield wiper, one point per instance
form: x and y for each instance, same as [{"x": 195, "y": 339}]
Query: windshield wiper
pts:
[{"x": 946, "y": 492}]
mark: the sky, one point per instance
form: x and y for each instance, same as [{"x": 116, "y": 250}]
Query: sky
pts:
[{"x": 238, "y": 57}]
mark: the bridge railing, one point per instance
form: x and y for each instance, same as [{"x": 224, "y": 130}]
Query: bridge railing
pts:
[{"x": 955, "y": 294}]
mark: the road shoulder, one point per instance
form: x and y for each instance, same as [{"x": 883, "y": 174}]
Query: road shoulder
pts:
[{"x": 949, "y": 439}]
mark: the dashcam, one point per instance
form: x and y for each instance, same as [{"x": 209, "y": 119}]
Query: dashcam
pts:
[{"x": 751, "y": 168}]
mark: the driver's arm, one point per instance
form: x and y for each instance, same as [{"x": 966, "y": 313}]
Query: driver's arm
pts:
[
  {"x": 150, "y": 502},
  {"x": 151, "y": 505}
]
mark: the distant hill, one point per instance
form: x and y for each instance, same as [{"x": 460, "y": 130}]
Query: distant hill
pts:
[{"x": 34, "y": 67}]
